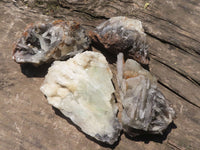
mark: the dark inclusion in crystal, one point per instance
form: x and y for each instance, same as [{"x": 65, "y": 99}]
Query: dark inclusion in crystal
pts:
[
  {"x": 122, "y": 34},
  {"x": 57, "y": 40}
]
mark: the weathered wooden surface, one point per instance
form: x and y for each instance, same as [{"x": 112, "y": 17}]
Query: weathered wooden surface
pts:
[{"x": 28, "y": 122}]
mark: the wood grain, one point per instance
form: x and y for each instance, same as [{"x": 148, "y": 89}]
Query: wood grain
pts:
[{"x": 172, "y": 27}]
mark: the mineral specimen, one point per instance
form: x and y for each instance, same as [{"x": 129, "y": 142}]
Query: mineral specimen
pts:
[
  {"x": 81, "y": 89},
  {"x": 145, "y": 107},
  {"x": 122, "y": 34},
  {"x": 52, "y": 41}
]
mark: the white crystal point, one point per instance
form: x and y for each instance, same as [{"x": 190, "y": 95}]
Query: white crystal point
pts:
[
  {"x": 81, "y": 89},
  {"x": 145, "y": 107}
]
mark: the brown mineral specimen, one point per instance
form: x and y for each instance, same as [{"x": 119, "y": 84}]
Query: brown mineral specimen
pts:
[
  {"x": 122, "y": 34},
  {"x": 52, "y": 41}
]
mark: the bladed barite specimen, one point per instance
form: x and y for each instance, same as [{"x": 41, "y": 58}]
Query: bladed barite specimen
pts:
[
  {"x": 145, "y": 107},
  {"x": 51, "y": 41},
  {"x": 122, "y": 34},
  {"x": 81, "y": 88}
]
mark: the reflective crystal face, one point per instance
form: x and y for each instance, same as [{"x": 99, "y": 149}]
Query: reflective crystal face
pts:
[
  {"x": 145, "y": 107},
  {"x": 122, "y": 34},
  {"x": 82, "y": 89},
  {"x": 52, "y": 41}
]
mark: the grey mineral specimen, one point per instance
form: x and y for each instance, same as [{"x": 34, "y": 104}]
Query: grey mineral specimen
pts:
[
  {"x": 51, "y": 41},
  {"x": 145, "y": 107},
  {"x": 81, "y": 89},
  {"x": 122, "y": 34}
]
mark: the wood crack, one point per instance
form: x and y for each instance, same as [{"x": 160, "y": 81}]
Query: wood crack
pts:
[
  {"x": 172, "y": 23},
  {"x": 168, "y": 21},
  {"x": 84, "y": 12},
  {"x": 186, "y": 76},
  {"x": 92, "y": 16},
  {"x": 174, "y": 145},
  {"x": 167, "y": 42},
  {"x": 176, "y": 93}
]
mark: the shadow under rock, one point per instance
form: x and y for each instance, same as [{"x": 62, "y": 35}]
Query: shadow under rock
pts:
[
  {"x": 112, "y": 58},
  {"x": 59, "y": 113},
  {"x": 145, "y": 66},
  {"x": 147, "y": 137},
  {"x": 32, "y": 71}
]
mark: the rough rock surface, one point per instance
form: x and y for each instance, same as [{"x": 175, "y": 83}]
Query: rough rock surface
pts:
[
  {"x": 122, "y": 34},
  {"x": 81, "y": 88},
  {"x": 51, "y": 41},
  {"x": 145, "y": 108}
]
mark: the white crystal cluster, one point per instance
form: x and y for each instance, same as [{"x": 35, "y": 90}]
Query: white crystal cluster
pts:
[
  {"x": 145, "y": 108},
  {"x": 81, "y": 89}
]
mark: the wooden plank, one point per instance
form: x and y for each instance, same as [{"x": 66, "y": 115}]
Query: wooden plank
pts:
[{"x": 28, "y": 122}]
